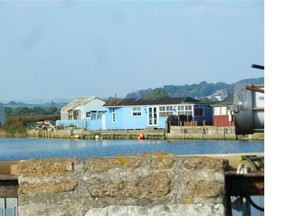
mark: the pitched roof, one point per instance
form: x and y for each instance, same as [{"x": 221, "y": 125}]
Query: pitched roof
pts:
[
  {"x": 150, "y": 101},
  {"x": 228, "y": 101},
  {"x": 77, "y": 102}
]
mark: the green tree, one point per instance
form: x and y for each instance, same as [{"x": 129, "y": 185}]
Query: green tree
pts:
[
  {"x": 157, "y": 93},
  {"x": 37, "y": 110},
  {"x": 8, "y": 110},
  {"x": 51, "y": 110},
  {"x": 21, "y": 110}
]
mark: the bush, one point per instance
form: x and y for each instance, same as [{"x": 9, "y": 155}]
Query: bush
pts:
[{"x": 19, "y": 124}]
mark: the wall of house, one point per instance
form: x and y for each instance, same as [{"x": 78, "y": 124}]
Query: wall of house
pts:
[
  {"x": 94, "y": 124},
  {"x": 223, "y": 121},
  {"x": 94, "y": 104},
  {"x": 125, "y": 119},
  {"x": 207, "y": 116},
  {"x": 141, "y": 184}
]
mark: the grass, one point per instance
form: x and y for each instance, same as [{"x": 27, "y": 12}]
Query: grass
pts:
[{"x": 16, "y": 126}]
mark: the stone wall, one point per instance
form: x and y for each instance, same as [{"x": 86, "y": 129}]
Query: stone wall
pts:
[
  {"x": 65, "y": 134},
  {"x": 175, "y": 133},
  {"x": 201, "y": 132},
  {"x": 141, "y": 184}
]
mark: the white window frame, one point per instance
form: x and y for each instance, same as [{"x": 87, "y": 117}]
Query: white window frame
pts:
[
  {"x": 136, "y": 111},
  {"x": 95, "y": 115},
  {"x": 113, "y": 116},
  {"x": 185, "y": 110},
  {"x": 165, "y": 111},
  {"x": 217, "y": 111}
]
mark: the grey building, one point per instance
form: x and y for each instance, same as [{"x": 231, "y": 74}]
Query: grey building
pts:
[{"x": 2, "y": 115}]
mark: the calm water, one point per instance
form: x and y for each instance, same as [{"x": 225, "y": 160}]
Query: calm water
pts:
[{"x": 26, "y": 148}]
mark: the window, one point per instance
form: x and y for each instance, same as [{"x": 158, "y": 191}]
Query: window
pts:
[
  {"x": 220, "y": 111},
  {"x": 96, "y": 115},
  {"x": 88, "y": 114},
  {"x": 224, "y": 111},
  {"x": 113, "y": 115},
  {"x": 198, "y": 111},
  {"x": 136, "y": 111},
  {"x": 185, "y": 110},
  {"x": 217, "y": 111},
  {"x": 165, "y": 111}
]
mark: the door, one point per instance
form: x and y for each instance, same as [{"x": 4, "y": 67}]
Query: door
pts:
[
  {"x": 103, "y": 121},
  {"x": 152, "y": 116}
]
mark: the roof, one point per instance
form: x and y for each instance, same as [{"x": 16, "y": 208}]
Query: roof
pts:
[
  {"x": 77, "y": 102},
  {"x": 229, "y": 100},
  {"x": 150, "y": 101}
]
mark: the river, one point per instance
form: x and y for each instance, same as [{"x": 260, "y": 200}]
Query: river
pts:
[{"x": 27, "y": 148}]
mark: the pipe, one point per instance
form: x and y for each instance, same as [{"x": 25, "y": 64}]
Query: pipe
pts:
[{"x": 261, "y": 67}]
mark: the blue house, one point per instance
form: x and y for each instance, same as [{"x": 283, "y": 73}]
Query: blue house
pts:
[{"x": 153, "y": 113}]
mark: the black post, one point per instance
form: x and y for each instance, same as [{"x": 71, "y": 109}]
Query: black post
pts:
[{"x": 257, "y": 66}]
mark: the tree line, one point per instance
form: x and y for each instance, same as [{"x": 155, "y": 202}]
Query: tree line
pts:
[
  {"x": 25, "y": 110},
  {"x": 199, "y": 91}
]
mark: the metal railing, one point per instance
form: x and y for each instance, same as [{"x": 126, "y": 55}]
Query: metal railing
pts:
[{"x": 9, "y": 206}]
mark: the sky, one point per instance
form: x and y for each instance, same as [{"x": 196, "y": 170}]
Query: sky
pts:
[{"x": 69, "y": 49}]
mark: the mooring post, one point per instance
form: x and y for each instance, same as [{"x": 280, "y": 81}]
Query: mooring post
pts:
[{"x": 246, "y": 208}]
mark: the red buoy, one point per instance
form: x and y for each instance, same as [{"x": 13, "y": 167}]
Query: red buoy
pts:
[{"x": 141, "y": 136}]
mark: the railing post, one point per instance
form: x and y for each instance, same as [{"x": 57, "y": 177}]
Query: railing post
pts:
[{"x": 246, "y": 208}]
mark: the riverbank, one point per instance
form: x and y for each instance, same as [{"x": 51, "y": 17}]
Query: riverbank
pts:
[{"x": 8, "y": 134}]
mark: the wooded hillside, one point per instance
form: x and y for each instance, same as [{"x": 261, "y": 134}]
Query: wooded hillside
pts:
[{"x": 201, "y": 90}]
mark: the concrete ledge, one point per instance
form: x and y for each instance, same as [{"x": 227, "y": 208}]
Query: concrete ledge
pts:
[
  {"x": 8, "y": 167},
  {"x": 167, "y": 210}
]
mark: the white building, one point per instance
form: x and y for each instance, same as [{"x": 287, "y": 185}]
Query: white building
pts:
[{"x": 80, "y": 108}]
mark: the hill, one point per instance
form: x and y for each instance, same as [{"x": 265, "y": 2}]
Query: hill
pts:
[{"x": 213, "y": 91}]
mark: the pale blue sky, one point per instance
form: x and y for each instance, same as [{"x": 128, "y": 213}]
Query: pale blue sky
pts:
[{"x": 68, "y": 49}]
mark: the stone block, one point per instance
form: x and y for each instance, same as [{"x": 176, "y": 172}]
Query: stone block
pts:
[
  {"x": 105, "y": 164},
  {"x": 45, "y": 167},
  {"x": 148, "y": 187},
  {"x": 50, "y": 186},
  {"x": 205, "y": 163},
  {"x": 162, "y": 161},
  {"x": 204, "y": 188}
]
